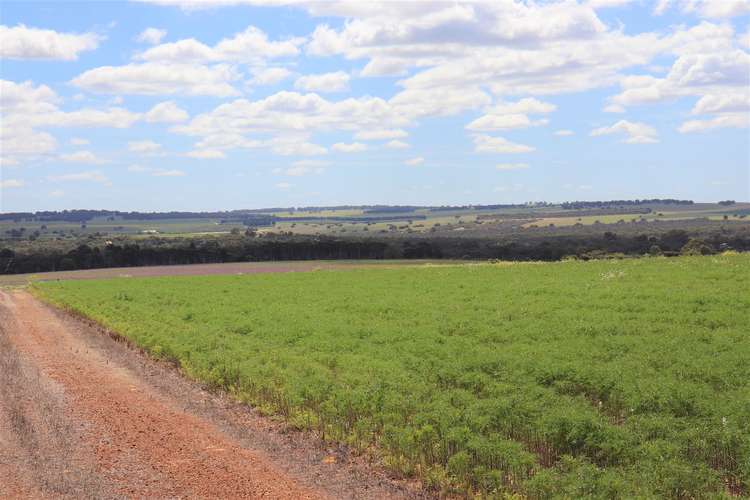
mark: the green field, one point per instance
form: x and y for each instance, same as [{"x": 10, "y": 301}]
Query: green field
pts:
[{"x": 605, "y": 378}]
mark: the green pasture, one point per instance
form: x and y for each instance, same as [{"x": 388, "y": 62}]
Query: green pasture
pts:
[{"x": 603, "y": 379}]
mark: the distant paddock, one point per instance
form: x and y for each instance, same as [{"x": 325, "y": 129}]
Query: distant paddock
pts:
[{"x": 207, "y": 269}]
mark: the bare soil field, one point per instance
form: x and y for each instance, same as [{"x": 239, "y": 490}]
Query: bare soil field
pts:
[
  {"x": 203, "y": 270},
  {"x": 83, "y": 415}
]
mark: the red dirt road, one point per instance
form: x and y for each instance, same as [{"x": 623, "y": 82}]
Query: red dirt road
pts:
[{"x": 82, "y": 415}]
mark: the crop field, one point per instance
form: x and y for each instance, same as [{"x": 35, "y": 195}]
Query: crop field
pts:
[{"x": 626, "y": 378}]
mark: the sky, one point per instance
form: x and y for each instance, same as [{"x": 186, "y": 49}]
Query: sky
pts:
[{"x": 157, "y": 105}]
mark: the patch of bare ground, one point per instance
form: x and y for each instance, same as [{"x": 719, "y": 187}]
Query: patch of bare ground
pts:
[
  {"x": 40, "y": 452},
  {"x": 86, "y": 414}
]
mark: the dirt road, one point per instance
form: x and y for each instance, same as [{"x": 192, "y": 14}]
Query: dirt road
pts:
[{"x": 83, "y": 415}]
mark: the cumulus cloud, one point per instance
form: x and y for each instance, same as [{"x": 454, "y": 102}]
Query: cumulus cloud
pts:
[
  {"x": 26, "y": 108},
  {"x": 396, "y": 144},
  {"x": 166, "y": 112},
  {"x": 21, "y": 42},
  {"x": 285, "y": 121},
  {"x": 303, "y": 167},
  {"x": 705, "y": 8},
  {"x": 206, "y": 154},
  {"x": 137, "y": 168},
  {"x": 636, "y": 132},
  {"x": 325, "y": 82},
  {"x": 89, "y": 176},
  {"x": 145, "y": 147},
  {"x": 505, "y": 116},
  {"x": 490, "y": 144},
  {"x": 270, "y": 76},
  {"x": 167, "y": 173},
  {"x": 564, "y": 132},
  {"x": 152, "y": 36},
  {"x": 82, "y": 157},
  {"x": 249, "y": 46},
  {"x": 354, "y": 147},
  {"x": 160, "y": 79},
  {"x": 614, "y": 108},
  {"x": 78, "y": 141},
  {"x": 729, "y": 120},
  {"x": 413, "y": 162}
]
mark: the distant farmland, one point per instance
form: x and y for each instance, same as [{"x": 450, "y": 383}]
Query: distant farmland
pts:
[{"x": 607, "y": 378}]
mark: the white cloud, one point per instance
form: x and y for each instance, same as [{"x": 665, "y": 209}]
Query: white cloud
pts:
[
  {"x": 151, "y": 36},
  {"x": 288, "y": 146},
  {"x": 206, "y": 154},
  {"x": 21, "y": 144},
  {"x": 723, "y": 103},
  {"x": 167, "y": 173},
  {"x": 438, "y": 101},
  {"x": 354, "y": 147},
  {"x": 138, "y": 168},
  {"x": 706, "y": 8},
  {"x": 57, "y": 193},
  {"x": 511, "y": 115},
  {"x": 160, "y": 79},
  {"x": 270, "y": 76},
  {"x": 379, "y": 134},
  {"x": 397, "y": 144},
  {"x": 601, "y": 4},
  {"x": 528, "y": 105},
  {"x": 413, "y": 162},
  {"x": 166, "y": 112},
  {"x": 283, "y": 185},
  {"x": 89, "y": 176},
  {"x": 564, "y": 132},
  {"x": 112, "y": 117},
  {"x": 491, "y": 122},
  {"x": 490, "y": 144},
  {"x": 729, "y": 120},
  {"x": 512, "y": 166},
  {"x": 304, "y": 167},
  {"x": 20, "y": 42},
  {"x": 691, "y": 74},
  {"x": 11, "y": 183},
  {"x": 285, "y": 114},
  {"x": 613, "y": 108},
  {"x": 82, "y": 157},
  {"x": 325, "y": 82},
  {"x": 78, "y": 141},
  {"x": 636, "y": 132},
  {"x": 249, "y": 46},
  {"x": 145, "y": 147}
]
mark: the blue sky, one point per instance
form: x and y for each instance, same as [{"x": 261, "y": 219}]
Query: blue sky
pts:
[{"x": 228, "y": 104}]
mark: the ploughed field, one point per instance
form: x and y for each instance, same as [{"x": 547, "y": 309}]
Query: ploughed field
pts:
[{"x": 604, "y": 378}]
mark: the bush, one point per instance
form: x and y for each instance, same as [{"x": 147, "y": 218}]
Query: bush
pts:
[{"x": 696, "y": 246}]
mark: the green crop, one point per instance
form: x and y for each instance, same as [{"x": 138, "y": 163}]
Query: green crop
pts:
[{"x": 606, "y": 378}]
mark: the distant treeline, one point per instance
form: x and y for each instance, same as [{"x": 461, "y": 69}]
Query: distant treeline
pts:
[
  {"x": 164, "y": 251},
  {"x": 86, "y": 215},
  {"x": 570, "y": 205}
]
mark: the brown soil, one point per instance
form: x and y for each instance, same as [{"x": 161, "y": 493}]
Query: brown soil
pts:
[
  {"x": 204, "y": 270},
  {"x": 83, "y": 415}
]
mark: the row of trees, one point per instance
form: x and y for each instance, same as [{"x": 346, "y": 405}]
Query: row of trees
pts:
[
  {"x": 41, "y": 256},
  {"x": 573, "y": 205}
]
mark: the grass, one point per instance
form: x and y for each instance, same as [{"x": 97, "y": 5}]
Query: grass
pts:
[{"x": 604, "y": 379}]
